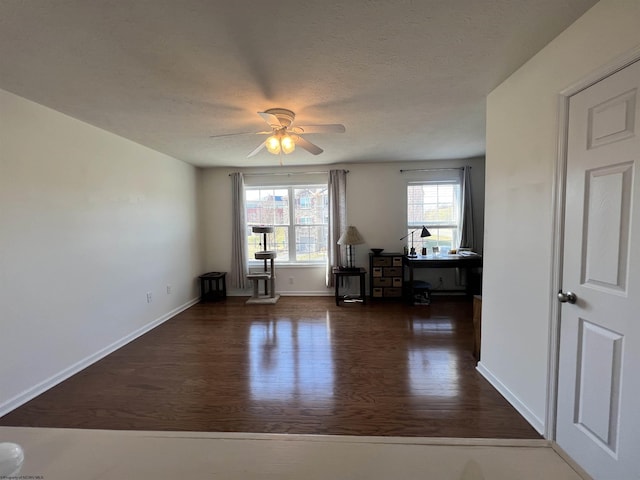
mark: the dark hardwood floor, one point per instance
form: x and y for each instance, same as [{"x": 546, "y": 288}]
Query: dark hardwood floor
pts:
[{"x": 300, "y": 366}]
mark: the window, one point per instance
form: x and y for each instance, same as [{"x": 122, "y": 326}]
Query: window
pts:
[
  {"x": 436, "y": 205},
  {"x": 300, "y": 217}
]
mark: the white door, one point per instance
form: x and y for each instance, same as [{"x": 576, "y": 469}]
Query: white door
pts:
[{"x": 598, "y": 421}]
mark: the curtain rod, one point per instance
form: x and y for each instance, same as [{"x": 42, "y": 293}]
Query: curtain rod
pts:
[
  {"x": 432, "y": 169},
  {"x": 284, "y": 173}
]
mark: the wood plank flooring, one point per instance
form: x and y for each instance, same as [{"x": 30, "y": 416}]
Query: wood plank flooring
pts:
[{"x": 301, "y": 366}]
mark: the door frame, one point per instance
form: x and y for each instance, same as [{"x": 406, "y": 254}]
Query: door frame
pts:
[{"x": 558, "y": 205}]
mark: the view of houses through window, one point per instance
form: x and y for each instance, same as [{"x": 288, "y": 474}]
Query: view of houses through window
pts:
[
  {"x": 300, "y": 215},
  {"x": 436, "y": 205}
]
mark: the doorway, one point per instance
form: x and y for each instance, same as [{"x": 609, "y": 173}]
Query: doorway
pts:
[{"x": 597, "y": 335}]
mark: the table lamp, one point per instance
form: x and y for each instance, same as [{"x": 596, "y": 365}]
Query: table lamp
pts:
[
  {"x": 350, "y": 237},
  {"x": 423, "y": 233}
]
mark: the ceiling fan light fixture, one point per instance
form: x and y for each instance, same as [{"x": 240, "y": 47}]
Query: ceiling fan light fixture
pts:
[
  {"x": 284, "y": 138},
  {"x": 287, "y": 144},
  {"x": 273, "y": 145}
]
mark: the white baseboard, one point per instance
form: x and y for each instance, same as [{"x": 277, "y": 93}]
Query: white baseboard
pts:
[
  {"x": 529, "y": 416},
  {"x": 59, "y": 377},
  {"x": 310, "y": 293},
  {"x": 572, "y": 463},
  {"x": 306, "y": 294}
]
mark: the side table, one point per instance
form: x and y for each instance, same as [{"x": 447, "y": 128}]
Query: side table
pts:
[
  {"x": 339, "y": 273},
  {"x": 213, "y": 285}
]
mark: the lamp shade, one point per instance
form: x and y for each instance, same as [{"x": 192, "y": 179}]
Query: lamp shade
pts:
[
  {"x": 287, "y": 144},
  {"x": 425, "y": 232},
  {"x": 273, "y": 144},
  {"x": 351, "y": 236}
]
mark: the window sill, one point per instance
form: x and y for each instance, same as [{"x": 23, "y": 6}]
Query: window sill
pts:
[{"x": 254, "y": 264}]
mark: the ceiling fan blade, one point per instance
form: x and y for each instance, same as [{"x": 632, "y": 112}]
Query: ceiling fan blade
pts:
[
  {"x": 257, "y": 150},
  {"x": 307, "y": 145},
  {"x": 328, "y": 128},
  {"x": 230, "y": 134},
  {"x": 271, "y": 119},
  {"x": 241, "y": 133}
]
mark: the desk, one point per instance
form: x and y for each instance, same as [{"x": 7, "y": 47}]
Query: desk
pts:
[
  {"x": 466, "y": 262},
  {"x": 356, "y": 272}
]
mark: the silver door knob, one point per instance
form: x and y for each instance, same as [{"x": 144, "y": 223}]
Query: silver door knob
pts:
[{"x": 567, "y": 297}]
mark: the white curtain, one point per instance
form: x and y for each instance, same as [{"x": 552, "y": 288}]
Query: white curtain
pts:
[
  {"x": 467, "y": 229},
  {"x": 337, "y": 186},
  {"x": 239, "y": 269}
]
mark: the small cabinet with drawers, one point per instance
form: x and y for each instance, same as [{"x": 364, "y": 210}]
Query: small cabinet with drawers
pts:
[{"x": 385, "y": 275}]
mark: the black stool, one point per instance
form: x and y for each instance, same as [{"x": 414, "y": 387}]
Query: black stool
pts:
[
  {"x": 420, "y": 294},
  {"x": 213, "y": 286}
]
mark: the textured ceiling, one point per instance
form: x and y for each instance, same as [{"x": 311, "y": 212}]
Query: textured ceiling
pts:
[{"x": 408, "y": 79}]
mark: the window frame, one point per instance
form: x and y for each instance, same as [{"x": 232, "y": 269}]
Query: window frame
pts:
[
  {"x": 292, "y": 227},
  {"x": 435, "y": 227}
]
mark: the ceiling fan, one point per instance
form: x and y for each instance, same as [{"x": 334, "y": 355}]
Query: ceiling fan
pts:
[{"x": 284, "y": 137}]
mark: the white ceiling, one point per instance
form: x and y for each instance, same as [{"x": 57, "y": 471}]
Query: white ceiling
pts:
[{"x": 407, "y": 78}]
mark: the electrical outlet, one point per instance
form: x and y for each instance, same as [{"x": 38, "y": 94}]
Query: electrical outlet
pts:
[
  {"x": 149, "y": 297},
  {"x": 290, "y": 280},
  {"x": 168, "y": 289}
]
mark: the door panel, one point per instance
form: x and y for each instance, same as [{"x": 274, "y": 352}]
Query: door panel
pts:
[
  {"x": 598, "y": 383},
  {"x": 612, "y": 120},
  {"x": 607, "y": 209},
  {"x": 598, "y": 380}
]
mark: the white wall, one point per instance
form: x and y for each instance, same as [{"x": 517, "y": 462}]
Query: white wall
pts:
[
  {"x": 522, "y": 132},
  {"x": 89, "y": 223},
  {"x": 376, "y": 205}
]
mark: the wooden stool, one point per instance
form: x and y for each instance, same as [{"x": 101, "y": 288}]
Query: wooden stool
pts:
[{"x": 209, "y": 291}]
